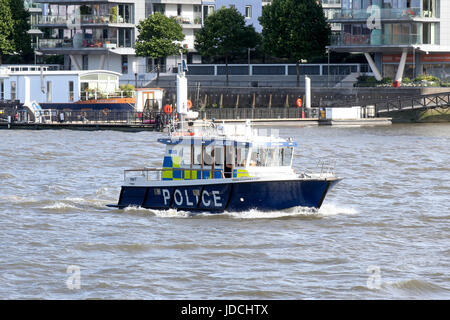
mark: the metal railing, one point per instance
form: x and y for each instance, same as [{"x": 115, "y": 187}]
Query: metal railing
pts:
[
  {"x": 104, "y": 43},
  {"x": 345, "y": 39},
  {"x": 430, "y": 101},
  {"x": 94, "y": 95},
  {"x": 107, "y": 116},
  {"x": 81, "y": 19},
  {"x": 392, "y": 13},
  {"x": 157, "y": 173}
]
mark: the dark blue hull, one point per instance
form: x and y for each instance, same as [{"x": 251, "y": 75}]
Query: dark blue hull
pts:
[{"x": 232, "y": 197}]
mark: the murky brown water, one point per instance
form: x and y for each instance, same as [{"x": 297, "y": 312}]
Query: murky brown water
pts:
[{"x": 382, "y": 233}]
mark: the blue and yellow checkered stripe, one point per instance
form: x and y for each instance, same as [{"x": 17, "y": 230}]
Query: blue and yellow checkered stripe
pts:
[{"x": 174, "y": 162}]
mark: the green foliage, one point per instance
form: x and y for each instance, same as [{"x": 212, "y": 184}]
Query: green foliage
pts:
[
  {"x": 294, "y": 29},
  {"x": 22, "y": 39},
  {"x": 158, "y": 35},
  {"x": 128, "y": 89},
  {"x": 6, "y": 29},
  {"x": 225, "y": 34},
  {"x": 113, "y": 11},
  {"x": 426, "y": 77},
  {"x": 406, "y": 80}
]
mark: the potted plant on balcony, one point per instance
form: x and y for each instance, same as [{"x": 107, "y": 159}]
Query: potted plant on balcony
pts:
[{"x": 113, "y": 14}]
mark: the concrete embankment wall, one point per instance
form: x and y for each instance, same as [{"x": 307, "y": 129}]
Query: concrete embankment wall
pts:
[{"x": 248, "y": 97}]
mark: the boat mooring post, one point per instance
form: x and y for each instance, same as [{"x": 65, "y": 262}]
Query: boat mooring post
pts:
[
  {"x": 182, "y": 90},
  {"x": 307, "y": 94}
]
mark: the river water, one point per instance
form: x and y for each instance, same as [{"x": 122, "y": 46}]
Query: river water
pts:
[{"x": 382, "y": 233}]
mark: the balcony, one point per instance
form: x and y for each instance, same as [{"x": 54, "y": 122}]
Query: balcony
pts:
[
  {"x": 384, "y": 14},
  {"x": 376, "y": 39},
  {"x": 81, "y": 19},
  {"x": 191, "y": 22},
  {"x": 82, "y": 43}
]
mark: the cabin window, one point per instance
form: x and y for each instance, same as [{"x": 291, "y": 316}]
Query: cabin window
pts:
[
  {"x": 208, "y": 155},
  {"x": 286, "y": 156},
  {"x": 258, "y": 157},
  {"x": 186, "y": 155},
  {"x": 197, "y": 154},
  {"x": 273, "y": 158},
  {"x": 229, "y": 155},
  {"x": 218, "y": 153},
  {"x": 241, "y": 156},
  {"x": 270, "y": 157}
]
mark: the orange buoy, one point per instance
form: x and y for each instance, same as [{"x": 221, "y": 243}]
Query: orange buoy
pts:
[
  {"x": 189, "y": 104},
  {"x": 168, "y": 109},
  {"x": 299, "y": 102}
]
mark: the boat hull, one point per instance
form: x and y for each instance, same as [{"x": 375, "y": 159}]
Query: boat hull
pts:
[{"x": 232, "y": 196}]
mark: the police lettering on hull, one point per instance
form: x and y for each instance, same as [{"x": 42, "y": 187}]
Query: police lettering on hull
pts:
[{"x": 198, "y": 197}]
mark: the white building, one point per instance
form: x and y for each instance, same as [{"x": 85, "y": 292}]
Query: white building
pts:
[{"x": 31, "y": 83}]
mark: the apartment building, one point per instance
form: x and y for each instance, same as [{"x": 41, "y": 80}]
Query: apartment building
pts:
[
  {"x": 250, "y": 9},
  {"x": 100, "y": 34},
  {"x": 331, "y": 8},
  {"x": 398, "y": 37}
]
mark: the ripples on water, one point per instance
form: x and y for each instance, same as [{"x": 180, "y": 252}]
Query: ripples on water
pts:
[{"x": 382, "y": 233}]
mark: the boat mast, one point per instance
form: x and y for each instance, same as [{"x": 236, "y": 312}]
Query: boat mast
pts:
[{"x": 182, "y": 90}]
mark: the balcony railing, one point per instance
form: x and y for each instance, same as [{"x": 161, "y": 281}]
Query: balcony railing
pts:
[
  {"x": 407, "y": 13},
  {"x": 95, "y": 95},
  {"x": 81, "y": 19},
  {"x": 188, "y": 20},
  {"x": 375, "y": 39},
  {"x": 82, "y": 43}
]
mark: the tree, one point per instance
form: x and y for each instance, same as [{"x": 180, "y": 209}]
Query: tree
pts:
[
  {"x": 22, "y": 40},
  {"x": 159, "y": 37},
  {"x": 6, "y": 29},
  {"x": 295, "y": 29},
  {"x": 224, "y": 34}
]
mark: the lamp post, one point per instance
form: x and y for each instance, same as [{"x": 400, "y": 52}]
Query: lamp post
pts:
[
  {"x": 135, "y": 70},
  {"x": 37, "y": 33}
]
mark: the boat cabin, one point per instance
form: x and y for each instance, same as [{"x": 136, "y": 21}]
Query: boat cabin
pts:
[{"x": 188, "y": 158}]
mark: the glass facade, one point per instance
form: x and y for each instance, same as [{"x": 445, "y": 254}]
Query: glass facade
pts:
[{"x": 96, "y": 25}]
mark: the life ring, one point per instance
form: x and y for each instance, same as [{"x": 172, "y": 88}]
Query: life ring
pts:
[
  {"x": 105, "y": 111},
  {"x": 299, "y": 102},
  {"x": 168, "y": 109},
  {"x": 189, "y": 104}
]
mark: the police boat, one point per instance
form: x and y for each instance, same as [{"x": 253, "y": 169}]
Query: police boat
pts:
[
  {"x": 225, "y": 168},
  {"x": 217, "y": 167}
]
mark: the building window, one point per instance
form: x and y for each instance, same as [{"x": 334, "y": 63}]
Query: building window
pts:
[
  {"x": 248, "y": 12},
  {"x": 2, "y": 90},
  {"x": 159, "y": 7},
  {"x": 125, "y": 64},
  {"x": 179, "y": 9},
  {"x": 85, "y": 65},
  {"x": 49, "y": 91},
  {"x": 71, "y": 93},
  {"x": 13, "y": 90}
]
